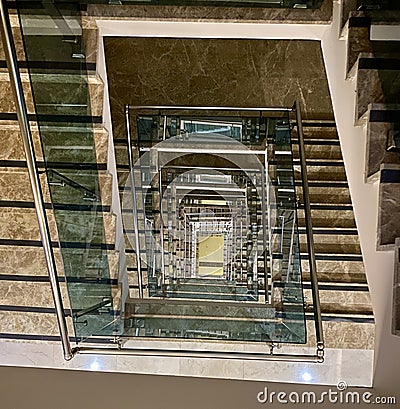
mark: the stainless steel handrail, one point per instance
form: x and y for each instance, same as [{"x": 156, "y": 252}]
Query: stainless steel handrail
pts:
[
  {"x": 205, "y": 108},
  {"x": 309, "y": 231},
  {"x": 22, "y": 114},
  {"x": 86, "y": 192},
  {"x": 245, "y": 356},
  {"x": 134, "y": 199}
]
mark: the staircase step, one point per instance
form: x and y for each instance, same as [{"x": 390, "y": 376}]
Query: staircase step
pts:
[
  {"x": 326, "y": 195},
  {"x": 379, "y": 127},
  {"x": 336, "y": 271},
  {"x": 383, "y": 78},
  {"x": 324, "y": 172},
  {"x": 56, "y": 88},
  {"x": 317, "y": 131},
  {"x": 348, "y": 299},
  {"x": 329, "y": 217},
  {"x": 319, "y": 150},
  {"x": 21, "y": 224},
  {"x": 10, "y": 177},
  {"x": 67, "y": 142},
  {"x": 31, "y": 323},
  {"x": 332, "y": 243},
  {"x": 25, "y": 293},
  {"x": 353, "y": 331},
  {"x": 11, "y": 142},
  {"x": 389, "y": 205},
  {"x": 358, "y": 34}
]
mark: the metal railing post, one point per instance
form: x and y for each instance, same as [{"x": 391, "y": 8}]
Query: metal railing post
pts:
[
  {"x": 22, "y": 114},
  {"x": 134, "y": 199},
  {"x": 309, "y": 232}
]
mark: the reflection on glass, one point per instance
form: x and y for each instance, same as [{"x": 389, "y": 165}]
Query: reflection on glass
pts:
[
  {"x": 216, "y": 210},
  {"x": 53, "y": 40}
]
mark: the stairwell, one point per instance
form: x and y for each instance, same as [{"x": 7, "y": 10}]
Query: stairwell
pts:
[{"x": 26, "y": 305}]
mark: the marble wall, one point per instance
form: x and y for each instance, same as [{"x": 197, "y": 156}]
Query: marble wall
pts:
[
  {"x": 223, "y": 12},
  {"x": 215, "y": 72}
]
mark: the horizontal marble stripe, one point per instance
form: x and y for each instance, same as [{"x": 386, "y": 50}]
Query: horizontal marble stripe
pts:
[
  {"x": 313, "y": 162},
  {"x": 13, "y": 164},
  {"x": 28, "y": 278},
  {"x": 120, "y": 141},
  {"x": 318, "y": 124},
  {"x": 58, "y": 206},
  {"x": 70, "y": 119},
  {"x": 323, "y": 206},
  {"x": 55, "y": 165},
  {"x": 316, "y": 183},
  {"x": 49, "y": 338},
  {"x": 74, "y": 165},
  {"x": 343, "y": 318},
  {"x": 64, "y": 244},
  {"x": 389, "y": 115},
  {"x": 359, "y": 21},
  {"x": 54, "y": 65},
  {"x": 328, "y": 287},
  {"x": 390, "y": 176},
  {"x": 324, "y": 142},
  {"x": 379, "y": 64},
  {"x": 45, "y": 279},
  {"x": 334, "y": 257},
  {"x": 302, "y": 230},
  {"x": 37, "y": 310}
]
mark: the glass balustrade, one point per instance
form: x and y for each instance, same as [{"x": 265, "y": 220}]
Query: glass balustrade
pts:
[
  {"x": 217, "y": 225},
  {"x": 52, "y": 35},
  {"x": 210, "y": 206}
]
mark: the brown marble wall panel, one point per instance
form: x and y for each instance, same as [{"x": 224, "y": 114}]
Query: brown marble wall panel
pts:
[
  {"x": 336, "y": 271},
  {"x": 21, "y": 224},
  {"x": 28, "y": 293},
  {"x": 21, "y": 260},
  {"x": 6, "y": 95},
  {"x": 344, "y": 335},
  {"x": 337, "y": 301},
  {"x": 376, "y": 153},
  {"x": 208, "y": 13},
  {"x": 357, "y": 42},
  {"x": 54, "y": 91},
  {"x": 11, "y": 142},
  {"x": 323, "y": 173},
  {"x": 319, "y": 152},
  {"x": 90, "y": 37},
  {"x": 388, "y": 223},
  {"x": 215, "y": 72},
  {"x": 31, "y": 323},
  {"x": 11, "y": 177},
  {"x": 369, "y": 90},
  {"x": 19, "y": 48},
  {"x": 347, "y": 7},
  {"x": 329, "y": 218},
  {"x": 328, "y": 195}
]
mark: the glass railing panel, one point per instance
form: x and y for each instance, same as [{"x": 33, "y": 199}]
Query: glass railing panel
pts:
[
  {"x": 218, "y": 228},
  {"x": 55, "y": 56}
]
